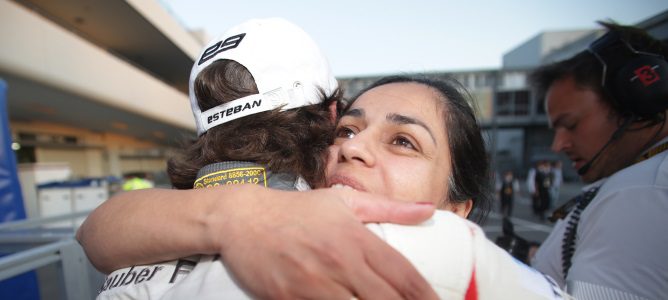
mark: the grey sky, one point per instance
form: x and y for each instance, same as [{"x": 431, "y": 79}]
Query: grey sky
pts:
[{"x": 388, "y": 36}]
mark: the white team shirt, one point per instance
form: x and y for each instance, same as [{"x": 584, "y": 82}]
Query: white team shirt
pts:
[{"x": 621, "y": 249}]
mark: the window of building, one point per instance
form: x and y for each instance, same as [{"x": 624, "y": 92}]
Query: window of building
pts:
[
  {"x": 540, "y": 107},
  {"x": 27, "y": 137},
  {"x": 513, "y": 80},
  {"x": 70, "y": 139},
  {"x": 522, "y": 103},
  {"x": 504, "y": 104},
  {"x": 512, "y": 103},
  {"x": 483, "y": 80},
  {"x": 25, "y": 154}
]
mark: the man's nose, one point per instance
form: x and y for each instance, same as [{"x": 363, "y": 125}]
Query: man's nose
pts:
[{"x": 559, "y": 142}]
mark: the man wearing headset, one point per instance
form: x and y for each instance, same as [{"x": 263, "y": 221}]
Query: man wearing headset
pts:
[{"x": 607, "y": 106}]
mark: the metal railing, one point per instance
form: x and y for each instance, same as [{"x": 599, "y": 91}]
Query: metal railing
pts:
[{"x": 46, "y": 247}]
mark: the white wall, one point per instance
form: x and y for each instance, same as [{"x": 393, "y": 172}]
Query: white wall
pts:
[{"x": 36, "y": 48}]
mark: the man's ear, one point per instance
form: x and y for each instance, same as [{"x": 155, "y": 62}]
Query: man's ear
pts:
[{"x": 332, "y": 111}]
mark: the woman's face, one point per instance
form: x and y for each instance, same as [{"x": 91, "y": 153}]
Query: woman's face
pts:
[{"x": 393, "y": 141}]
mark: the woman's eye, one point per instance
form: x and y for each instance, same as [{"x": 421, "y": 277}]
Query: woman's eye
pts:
[
  {"x": 345, "y": 132},
  {"x": 403, "y": 142}
]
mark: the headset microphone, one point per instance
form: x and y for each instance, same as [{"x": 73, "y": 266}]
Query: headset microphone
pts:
[
  {"x": 615, "y": 135},
  {"x": 582, "y": 170}
]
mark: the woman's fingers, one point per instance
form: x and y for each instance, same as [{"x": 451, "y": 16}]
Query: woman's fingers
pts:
[
  {"x": 370, "y": 208},
  {"x": 309, "y": 245}
]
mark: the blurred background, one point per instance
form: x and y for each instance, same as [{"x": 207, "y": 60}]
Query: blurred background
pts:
[{"x": 94, "y": 99}]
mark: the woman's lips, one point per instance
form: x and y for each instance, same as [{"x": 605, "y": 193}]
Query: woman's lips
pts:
[{"x": 340, "y": 181}]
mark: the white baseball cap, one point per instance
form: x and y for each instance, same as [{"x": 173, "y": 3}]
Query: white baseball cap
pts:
[{"x": 287, "y": 65}]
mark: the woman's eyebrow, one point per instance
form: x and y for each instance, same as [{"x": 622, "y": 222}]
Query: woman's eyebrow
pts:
[
  {"x": 356, "y": 112},
  {"x": 403, "y": 120}
]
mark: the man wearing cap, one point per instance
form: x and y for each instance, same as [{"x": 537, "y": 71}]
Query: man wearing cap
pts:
[{"x": 253, "y": 71}]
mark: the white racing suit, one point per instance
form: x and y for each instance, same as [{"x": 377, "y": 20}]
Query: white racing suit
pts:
[{"x": 451, "y": 253}]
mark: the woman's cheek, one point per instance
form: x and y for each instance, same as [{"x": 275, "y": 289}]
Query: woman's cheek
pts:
[
  {"x": 332, "y": 154},
  {"x": 404, "y": 180},
  {"x": 421, "y": 184}
]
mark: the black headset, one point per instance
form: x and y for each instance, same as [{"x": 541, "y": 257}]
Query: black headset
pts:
[{"x": 636, "y": 80}]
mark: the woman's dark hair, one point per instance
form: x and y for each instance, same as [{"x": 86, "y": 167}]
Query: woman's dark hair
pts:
[
  {"x": 292, "y": 141},
  {"x": 470, "y": 177}
]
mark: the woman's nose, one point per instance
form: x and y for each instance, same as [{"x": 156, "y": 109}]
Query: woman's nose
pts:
[{"x": 358, "y": 149}]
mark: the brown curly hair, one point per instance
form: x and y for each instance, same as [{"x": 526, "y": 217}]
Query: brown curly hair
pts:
[{"x": 293, "y": 141}]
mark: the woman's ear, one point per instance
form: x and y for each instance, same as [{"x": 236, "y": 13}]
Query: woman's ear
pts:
[
  {"x": 462, "y": 208},
  {"x": 332, "y": 111}
]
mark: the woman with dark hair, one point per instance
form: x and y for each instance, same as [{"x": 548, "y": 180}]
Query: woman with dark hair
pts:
[
  {"x": 414, "y": 139},
  {"x": 465, "y": 174}
]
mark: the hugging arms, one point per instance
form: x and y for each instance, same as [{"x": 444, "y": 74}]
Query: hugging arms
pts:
[{"x": 409, "y": 139}]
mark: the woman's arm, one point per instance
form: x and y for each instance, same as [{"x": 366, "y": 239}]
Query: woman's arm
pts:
[
  {"x": 147, "y": 226},
  {"x": 312, "y": 242}
]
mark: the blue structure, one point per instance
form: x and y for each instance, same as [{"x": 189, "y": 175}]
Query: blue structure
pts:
[
  {"x": 23, "y": 286},
  {"x": 11, "y": 200}
]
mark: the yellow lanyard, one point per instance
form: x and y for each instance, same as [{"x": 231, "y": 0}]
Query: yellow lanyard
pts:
[{"x": 654, "y": 151}]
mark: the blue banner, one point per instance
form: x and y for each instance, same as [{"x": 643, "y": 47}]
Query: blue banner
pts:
[
  {"x": 23, "y": 286},
  {"x": 11, "y": 200}
]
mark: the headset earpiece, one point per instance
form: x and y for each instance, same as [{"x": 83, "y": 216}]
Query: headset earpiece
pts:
[
  {"x": 637, "y": 81},
  {"x": 641, "y": 85}
]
